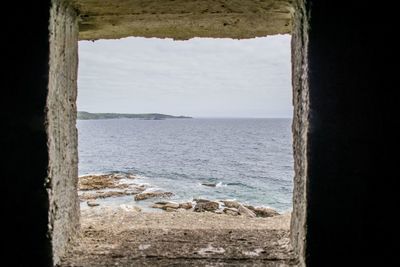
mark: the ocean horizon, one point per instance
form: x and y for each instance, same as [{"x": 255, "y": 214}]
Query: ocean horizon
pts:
[{"x": 246, "y": 159}]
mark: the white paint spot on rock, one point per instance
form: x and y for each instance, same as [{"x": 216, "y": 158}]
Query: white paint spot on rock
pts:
[
  {"x": 254, "y": 253},
  {"x": 210, "y": 249},
  {"x": 143, "y": 247}
]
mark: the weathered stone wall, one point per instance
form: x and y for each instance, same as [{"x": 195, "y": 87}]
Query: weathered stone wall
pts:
[
  {"x": 61, "y": 100},
  {"x": 105, "y": 19},
  {"x": 178, "y": 20},
  {"x": 344, "y": 78},
  {"x": 182, "y": 19},
  {"x": 61, "y": 127},
  {"x": 300, "y": 127}
]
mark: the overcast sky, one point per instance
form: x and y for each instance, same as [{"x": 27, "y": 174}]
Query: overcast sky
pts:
[{"x": 199, "y": 77}]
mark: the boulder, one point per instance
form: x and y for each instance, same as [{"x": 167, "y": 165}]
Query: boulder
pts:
[
  {"x": 161, "y": 202},
  {"x": 172, "y": 205},
  {"x": 206, "y": 206},
  {"x": 186, "y": 205},
  {"x": 100, "y": 182},
  {"x": 231, "y": 204},
  {"x": 246, "y": 212},
  {"x": 147, "y": 195},
  {"x": 265, "y": 212},
  {"x": 231, "y": 211},
  {"x": 250, "y": 207},
  {"x": 92, "y": 204},
  {"x": 157, "y": 206},
  {"x": 201, "y": 200},
  {"x": 96, "y": 182}
]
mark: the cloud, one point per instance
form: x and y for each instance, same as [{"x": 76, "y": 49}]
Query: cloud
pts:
[{"x": 201, "y": 77}]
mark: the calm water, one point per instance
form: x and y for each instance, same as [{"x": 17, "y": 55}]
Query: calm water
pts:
[{"x": 250, "y": 160}]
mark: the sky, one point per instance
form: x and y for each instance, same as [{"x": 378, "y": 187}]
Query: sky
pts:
[{"x": 200, "y": 77}]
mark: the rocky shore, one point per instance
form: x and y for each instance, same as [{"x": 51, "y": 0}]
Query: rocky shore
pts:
[
  {"x": 96, "y": 187},
  {"x": 199, "y": 232}
]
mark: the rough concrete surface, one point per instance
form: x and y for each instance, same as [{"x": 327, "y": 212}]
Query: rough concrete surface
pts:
[
  {"x": 62, "y": 134},
  {"x": 123, "y": 237},
  {"x": 349, "y": 163},
  {"x": 182, "y": 19},
  {"x": 300, "y": 128},
  {"x": 178, "y": 19}
]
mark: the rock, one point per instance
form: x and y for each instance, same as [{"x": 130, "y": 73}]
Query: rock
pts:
[
  {"x": 157, "y": 206},
  {"x": 97, "y": 186},
  {"x": 92, "y": 204},
  {"x": 122, "y": 175},
  {"x": 105, "y": 194},
  {"x": 265, "y": 212},
  {"x": 201, "y": 200},
  {"x": 172, "y": 205},
  {"x": 231, "y": 211},
  {"x": 130, "y": 176},
  {"x": 250, "y": 207},
  {"x": 103, "y": 181},
  {"x": 161, "y": 202},
  {"x": 206, "y": 206},
  {"x": 96, "y": 182},
  {"x": 231, "y": 204},
  {"x": 186, "y": 205},
  {"x": 209, "y": 184},
  {"x": 246, "y": 212},
  {"x": 137, "y": 187},
  {"x": 147, "y": 195}
]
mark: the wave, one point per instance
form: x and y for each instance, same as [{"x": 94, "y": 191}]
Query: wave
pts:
[
  {"x": 213, "y": 184},
  {"x": 219, "y": 184}
]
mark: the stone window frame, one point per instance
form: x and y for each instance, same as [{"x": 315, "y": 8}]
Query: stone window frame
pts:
[{"x": 62, "y": 133}]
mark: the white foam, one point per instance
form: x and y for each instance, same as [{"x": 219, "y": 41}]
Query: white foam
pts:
[
  {"x": 219, "y": 184},
  {"x": 153, "y": 189}
]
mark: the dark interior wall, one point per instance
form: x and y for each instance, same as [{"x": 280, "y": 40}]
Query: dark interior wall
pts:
[
  {"x": 25, "y": 46},
  {"x": 350, "y": 170}
]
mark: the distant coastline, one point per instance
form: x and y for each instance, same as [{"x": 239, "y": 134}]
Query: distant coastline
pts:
[{"x": 83, "y": 115}]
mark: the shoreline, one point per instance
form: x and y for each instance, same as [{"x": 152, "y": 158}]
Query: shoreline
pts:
[
  {"x": 124, "y": 235},
  {"x": 122, "y": 189}
]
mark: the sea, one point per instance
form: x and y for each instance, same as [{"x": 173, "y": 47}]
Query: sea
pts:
[{"x": 248, "y": 160}]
